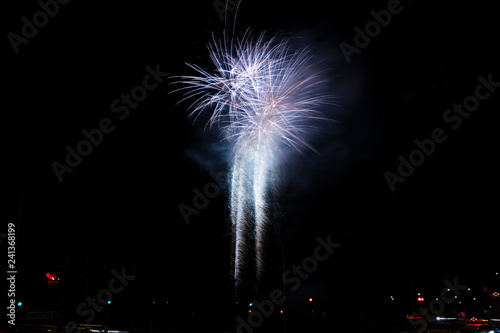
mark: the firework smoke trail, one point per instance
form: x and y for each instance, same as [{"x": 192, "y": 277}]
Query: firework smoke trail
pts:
[{"x": 264, "y": 96}]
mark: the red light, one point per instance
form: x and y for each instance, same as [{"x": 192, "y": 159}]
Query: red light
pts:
[
  {"x": 310, "y": 299},
  {"x": 249, "y": 311},
  {"x": 420, "y": 299},
  {"x": 52, "y": 277},
  {"x": 415, "y": 317},
  {"x": 281, "y": 311}
]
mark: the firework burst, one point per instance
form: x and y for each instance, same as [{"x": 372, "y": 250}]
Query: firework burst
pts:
[{"x": 263, "y": 96}]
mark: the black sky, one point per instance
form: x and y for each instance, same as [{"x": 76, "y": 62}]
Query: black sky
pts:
[{"x": 120, "y": 205}]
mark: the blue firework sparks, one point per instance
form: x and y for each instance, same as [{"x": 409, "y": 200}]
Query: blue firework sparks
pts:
[{"x": 263, "y": 96}]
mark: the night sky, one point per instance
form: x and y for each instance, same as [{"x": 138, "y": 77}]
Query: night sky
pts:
[{"x": 120, "y": 206}]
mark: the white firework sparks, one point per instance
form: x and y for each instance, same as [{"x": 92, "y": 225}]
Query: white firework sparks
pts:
[{"x": 263, "y": 95}]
